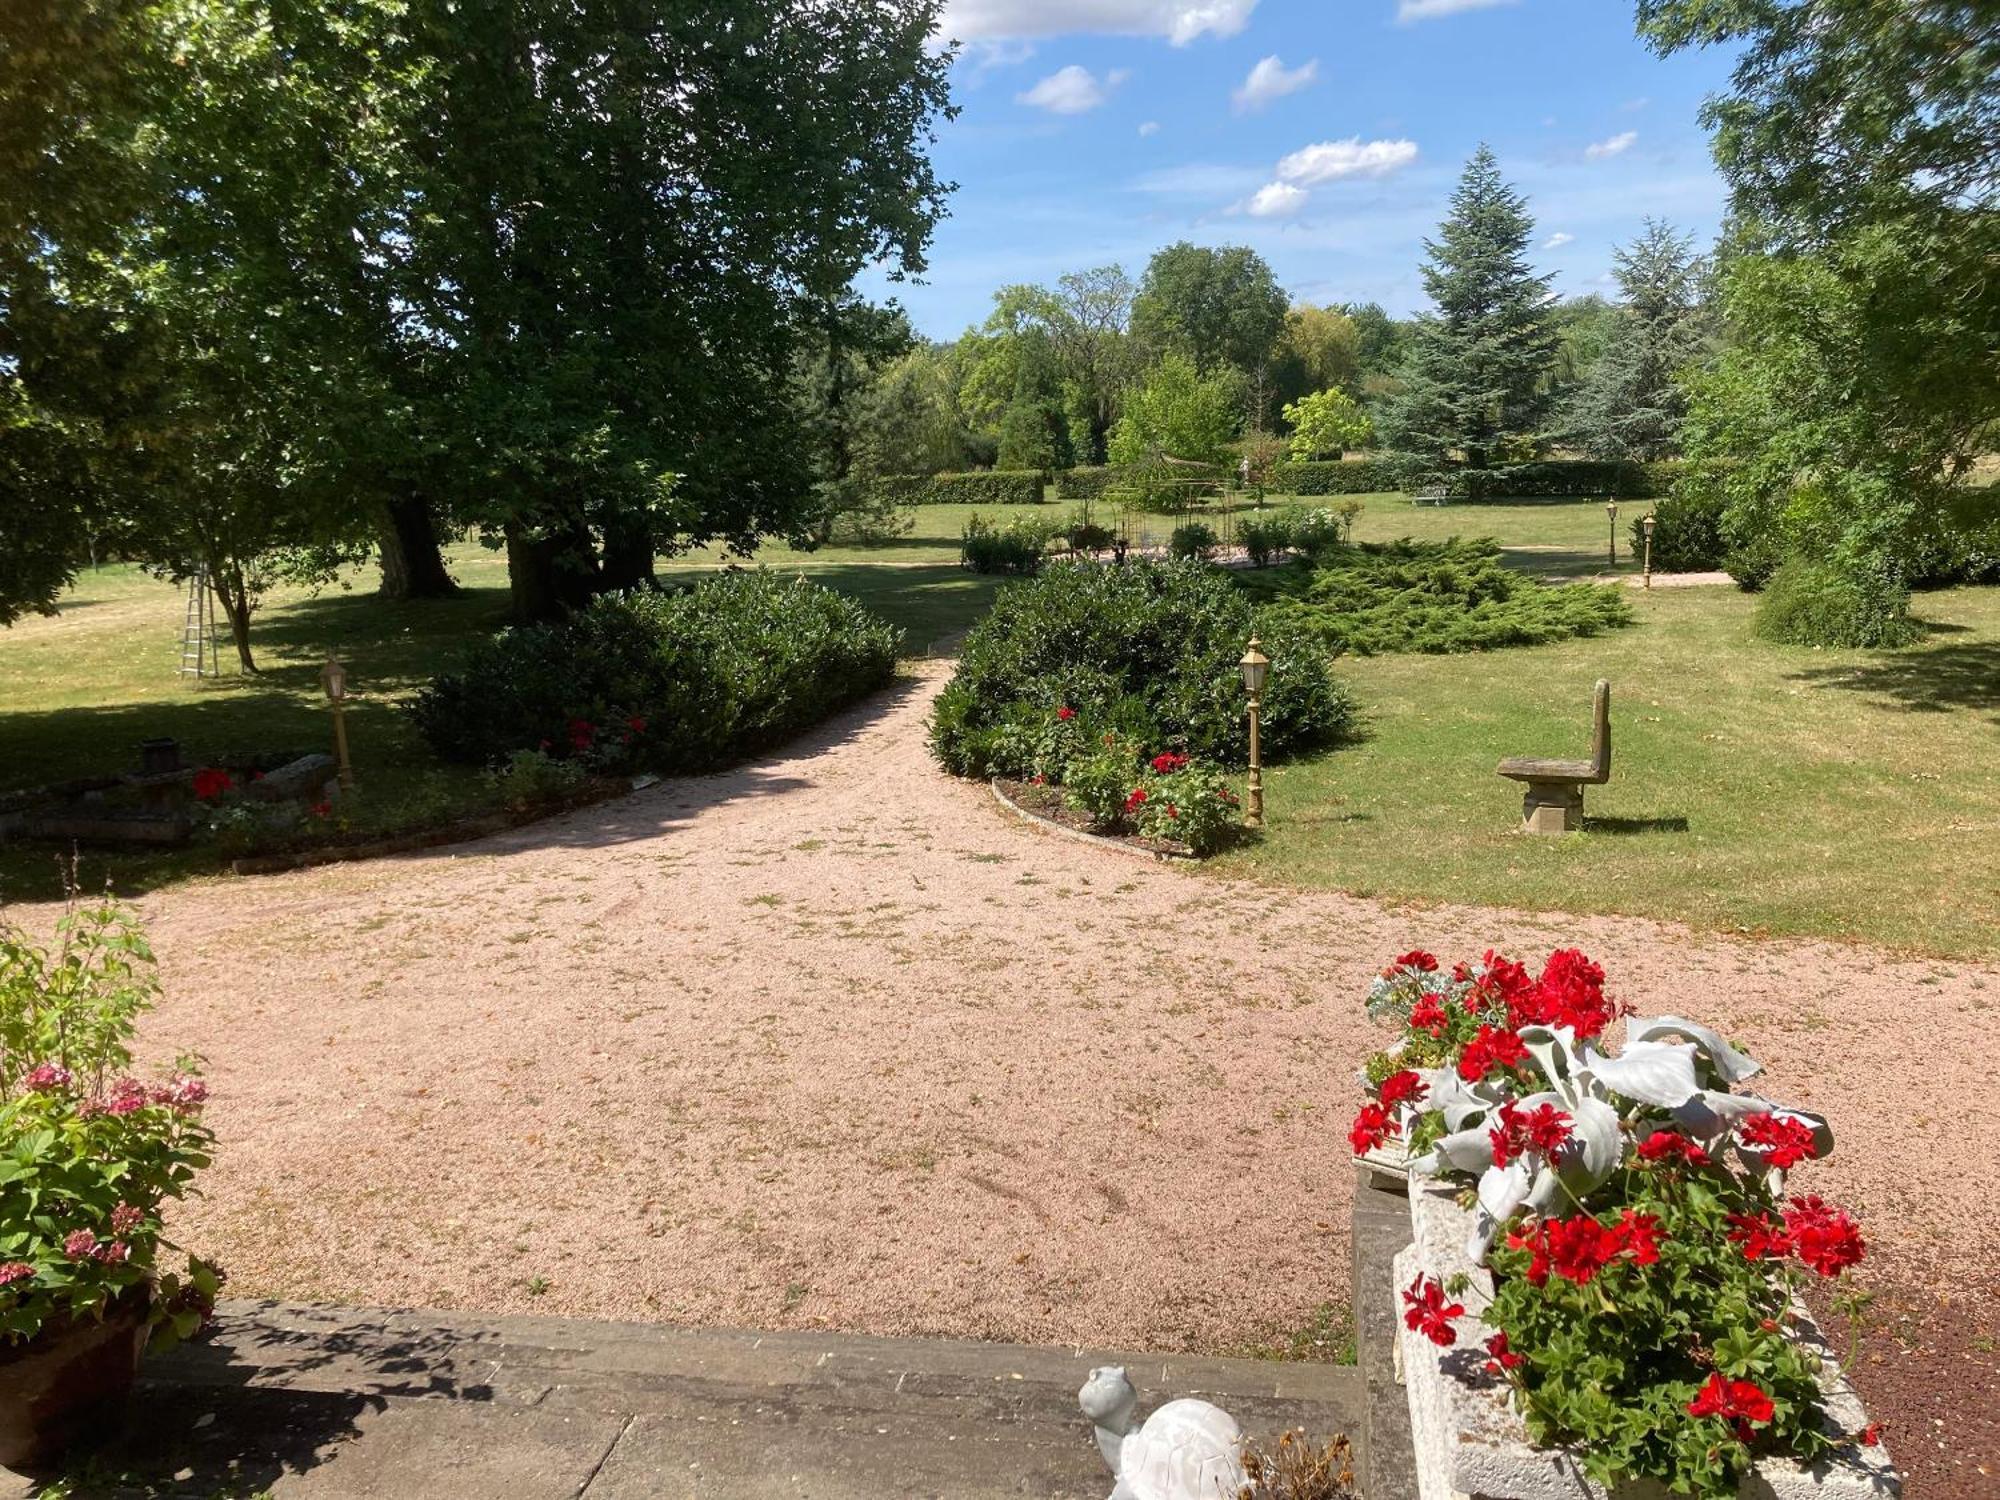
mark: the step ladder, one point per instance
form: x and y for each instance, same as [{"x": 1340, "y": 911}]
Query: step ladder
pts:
[{"x": 201, "y": 650}]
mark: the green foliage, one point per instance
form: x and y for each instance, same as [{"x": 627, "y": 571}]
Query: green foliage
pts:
[
  {"x": 675, "y": 682},
  {"x": 1320, "y": 348},
  {"x": 1360, "y": 477},
  {"x": 1085, "y": 535},
  {"x": 1098, "y": 782},
  {"x": 1187, "y": 803},
  {"x": 1959, "y": 542},
  {"x": 1810, "y": 602},
  {"x": 534, "y": 778},
  {"x": 1013, "y": 546},
  {"x": 88, "y": 1154},
  {"x": 1265, "y": 536},
  {"x": 1210, "y": 307},
  {"x": 1327, "y": 421},
  {"x": 906, "y": 420},
  {"x": 1180, "y": 413},
  {"x": 1148, "y": 650},
  {"x": 980, "y": 487},
  {"x": 1192, "y": 539},
  {"x": 1573, "y": 476},
  {"x": 1630, "y": 405},
  {"x": 1033, "y": 435},
  {"x": 1475, "y": 379},
  {"x": 1088, "y": 483},
  {"x": 1687, "y": 531},
  {"x": 1429, "y": 597}
]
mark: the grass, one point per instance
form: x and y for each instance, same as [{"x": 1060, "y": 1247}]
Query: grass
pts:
[
  {"x": 79, "y": 691},
  {"x": 1755, "y": 788}
]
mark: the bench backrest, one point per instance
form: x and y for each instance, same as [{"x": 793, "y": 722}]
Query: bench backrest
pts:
[{"x": 1600, "y": 729}]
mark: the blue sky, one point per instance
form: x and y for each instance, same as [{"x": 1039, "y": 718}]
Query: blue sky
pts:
[{"x": 1326, "y": 134}]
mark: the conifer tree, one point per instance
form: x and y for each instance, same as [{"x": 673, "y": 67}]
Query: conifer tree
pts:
[{"x": 1631, "y": 405}]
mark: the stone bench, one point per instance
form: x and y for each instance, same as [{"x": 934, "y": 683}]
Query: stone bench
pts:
[{"x": 1554, "y": 799}]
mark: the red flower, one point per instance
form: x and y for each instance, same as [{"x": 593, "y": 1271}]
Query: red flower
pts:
[
  {"x": 581, "y": 733},
  {"x": 1398, "y": 1087},
  {"x": 321, "y": 810},
  {"x": 1428, "y": 1313},
  {"x": 1488, "y": 1050},
  {"x": 1824, "y": 1238},
  {"x": 1671, "y": 1145},
  {"x": 15, "y": 1270},
  {"x": 1640, "y": 1234},
  {"x": 1760, "y": 1238},
  {"x": 1418, "y": 961},
  {"x": 1065, "y": 713},
  {"x": 1783, "y": 1140},
  {"x": 1167, "y": 764},
  {"x": 1577, "y": 1249},
  {"x": 1543, "y": 1128},
  {"x": 1569, "y": 993},
  {"x": 1429, "y": 1014},
  {"x": 637, "y": 724},
  {"x": 209, "y": 784},
  {"x": 1503, "y": 1358},
  {"x": 1739, "y": 1402},
  {"x": 1371, "y": 1128},
  {"x": 1137, "y": 800},
  {"x": 1867, "y": 1437}
]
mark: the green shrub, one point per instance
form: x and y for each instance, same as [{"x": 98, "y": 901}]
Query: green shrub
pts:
[
  {"x": 1088, "y": 483},
  {"x": 1827, "y": 602},
  {"x": 1099, "y": 782},
  {"x": 1148, "y": 651},
  {"x": 674, "y": 682},
  {"x": 1194, "y": 539},
  {"x": 1084, "y": 535},
  {"x": 1364, "y": 476},
  {"x": 1265, "y": 536},
  {"x": 983, "y": 487},
  {"x": 534, "y": 778},
  {"x": 1013, "y": 546},
  {"x": 1959, "y": 541},
  {"x": 1187, "y": 802},
  {"x": 1433, "y": 597},
  {"x": 1317, "y": 532},
  {"x": 1687, "y": 532}
]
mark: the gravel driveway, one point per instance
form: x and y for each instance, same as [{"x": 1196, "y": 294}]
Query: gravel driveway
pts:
[{"x": 833, "y": 1041}]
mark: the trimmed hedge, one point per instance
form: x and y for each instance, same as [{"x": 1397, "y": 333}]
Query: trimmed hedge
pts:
[
  {"x": 1589, "y": 478},
  {"x": 673, "y": 682},
  {"x": 1364, "y": 476},
  {"x": 1148, "y": 652},
  {"x": 1091, "y": 482},
  {"x": 980, "y": 487},
  {"x": 1687, "y": 532}
]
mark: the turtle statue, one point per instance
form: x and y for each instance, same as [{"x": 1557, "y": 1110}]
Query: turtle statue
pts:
[{"x": 1187, "y": 1450}]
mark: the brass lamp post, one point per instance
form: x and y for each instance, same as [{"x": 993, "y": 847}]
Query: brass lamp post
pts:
[
  {"x": 1647, "y": 525},
  {"x": 1256, "y": 668},
  {"x": 1611, "y": 513},
  {"x": 333, "y": 677}
]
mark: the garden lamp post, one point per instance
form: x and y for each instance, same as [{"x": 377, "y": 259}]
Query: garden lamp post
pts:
[
  {"x": 1647, "y": 525},
  {"x": 1611, "y": 513},
  {"x": 1256, "y": 668},
  {"x": 333, "y": 676}
]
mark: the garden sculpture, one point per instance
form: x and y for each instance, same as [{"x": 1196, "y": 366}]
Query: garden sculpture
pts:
[
  {"x": 1554, "y": 800},
  {"x": 1187, "y": 1450}
]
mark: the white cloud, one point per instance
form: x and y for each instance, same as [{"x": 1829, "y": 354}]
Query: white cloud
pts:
[
  {"x": 1429, "y": 10},
  {"x": 1633, "y": 106},
  {"x": 1270, "y": 80},
  {"x": 1070, "y": 91},
  {"x": 1333, "y": 161},
  {"x": 1557, "y": 240},
  {"x": 1179, "y": 21},
  {"x": 1149, "y": 127},
  {"x": 1599, "y": 150},
  {"x": 1276, "y": 200},
  {"x": 983, "y": 57}
]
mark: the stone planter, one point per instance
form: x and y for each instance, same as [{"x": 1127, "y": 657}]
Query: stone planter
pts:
[
  {"x": 53, "y": 1387},
  {"x": 1471, "y": 1444}
]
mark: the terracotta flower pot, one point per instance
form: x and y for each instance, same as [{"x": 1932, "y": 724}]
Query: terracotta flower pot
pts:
[{"x": 70, "y": 1374}]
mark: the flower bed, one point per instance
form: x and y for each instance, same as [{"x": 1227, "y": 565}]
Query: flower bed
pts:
[{"x": 1613, "y": 1235}]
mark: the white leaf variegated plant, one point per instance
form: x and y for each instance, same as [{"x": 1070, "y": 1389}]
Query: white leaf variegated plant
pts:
[{"x": 1668, "y": 1065}]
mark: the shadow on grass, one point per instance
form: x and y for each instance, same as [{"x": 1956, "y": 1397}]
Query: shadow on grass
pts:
[
  {"x": 1634, "y": 825},
  {"x": 1938, "y": 680}
]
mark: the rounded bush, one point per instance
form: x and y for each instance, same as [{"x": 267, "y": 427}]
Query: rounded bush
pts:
[
  {"x": 1811, "y": 602},
  {"x": 1687, "y": 532}
]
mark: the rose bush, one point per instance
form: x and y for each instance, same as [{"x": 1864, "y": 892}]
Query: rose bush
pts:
[
  {"x": 89, "y": 1153},
  {"x": 1633, "y": 1211}
]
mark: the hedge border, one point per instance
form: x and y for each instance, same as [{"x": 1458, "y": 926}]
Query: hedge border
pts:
[{"x": 979, "y": 487}]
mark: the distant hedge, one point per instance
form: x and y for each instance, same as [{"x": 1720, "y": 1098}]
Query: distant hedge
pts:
[
  {"x": 1364, "y": 476},
  {"x": 981, "y": 487},
  {"x": 1583, "y": 477},
  {"x": 1088, "y": 482}
]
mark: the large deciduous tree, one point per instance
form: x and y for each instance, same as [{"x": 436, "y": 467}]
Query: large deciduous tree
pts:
[
  {"x": 1475, "y": 373},
  {"x": 1213, "y": 307},
  {"x": 1631, "y": 401}
]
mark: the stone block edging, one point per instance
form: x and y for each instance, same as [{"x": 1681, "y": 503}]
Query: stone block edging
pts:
[{"x": 1130, "y": 850}]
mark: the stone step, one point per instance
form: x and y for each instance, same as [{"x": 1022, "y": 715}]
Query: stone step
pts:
[{"x": 1381, "y": 1230}]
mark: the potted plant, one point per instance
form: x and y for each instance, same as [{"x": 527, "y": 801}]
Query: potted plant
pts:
[
  {"x": 89, "y": 1155},
  {"x": 1617, "y": 1228}
]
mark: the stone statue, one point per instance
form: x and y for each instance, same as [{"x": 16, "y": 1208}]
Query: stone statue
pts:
[{"x": 1187, "y": 1450}]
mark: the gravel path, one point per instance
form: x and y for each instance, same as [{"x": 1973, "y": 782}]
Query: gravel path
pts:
[{"x": 834, "y": 1041}]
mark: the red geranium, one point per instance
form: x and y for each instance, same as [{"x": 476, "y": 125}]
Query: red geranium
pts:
[
  {"x": 1671, "y": 1145},
  {"x": 210, "y": 783},
  {"x": 1569, "y": 993},
  {"x": 1504, "y": 1358},
  {"x": 1738, "y": 1402},
  {"x": 1417, "y": 960},
  {"x": 1168, "y": 763},
  {"x": 1065, "y": 713},
  {"x": 1371, "y": 1128},
  {"x": 1760, "y": 1237},
  {"x": 1490, "y": 1049},
  {"x": 1783, "y": 1140},
  {"x": 1428, "y": 1313},
  {"x": 581, "y": 733},
  {"x": 1543, "y": 1128},
  {"x": 1825, "y": 1238},
  {"x": 1137, "y": 800},
  {"x": 1398, "y": 1087},
  {"x": 1429, "y": 1014},
  {"x": 1640, "y": 1234}
]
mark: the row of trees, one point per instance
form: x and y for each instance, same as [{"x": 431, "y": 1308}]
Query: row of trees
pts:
[{"x": 283, "y": 283}]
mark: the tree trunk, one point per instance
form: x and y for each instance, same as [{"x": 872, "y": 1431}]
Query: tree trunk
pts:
[
  {"x": 412, "y": 564},
  {"x": 549, "y": 576},
  {"x": 628, "y": 551},
  {"x": 227, "y": 581}
]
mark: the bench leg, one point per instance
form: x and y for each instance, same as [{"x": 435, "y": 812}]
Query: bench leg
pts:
[{"x": 1552, "y": 807}]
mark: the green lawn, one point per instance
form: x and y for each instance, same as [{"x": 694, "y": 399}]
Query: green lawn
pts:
[{"x": 1755, "y": 788}]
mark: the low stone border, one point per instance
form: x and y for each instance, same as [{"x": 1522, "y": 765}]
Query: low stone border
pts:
[{"x": 1102, "y": 841}]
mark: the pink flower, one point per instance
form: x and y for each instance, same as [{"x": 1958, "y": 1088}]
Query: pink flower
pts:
[
  {"x": 127, "y": 1217},
  {"x": 13, "y": 1271},
  {"x": 182, "y": 1094},
  {"x": 48, "y": 1079},
  {"x": 80, "y": 1244},
  {"x": 113, "y": 1254},
  {"x": 1065, "y": 713},
  {"x": 128, "y": 1096}
]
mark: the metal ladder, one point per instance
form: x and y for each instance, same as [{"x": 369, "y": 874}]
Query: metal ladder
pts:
[{"x": 201, "y": 652}]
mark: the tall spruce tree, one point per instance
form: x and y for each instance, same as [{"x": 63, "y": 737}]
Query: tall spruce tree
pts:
[
  {"x": 1474, "y": 374},
  {"x": 1631, "y": 405}
]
